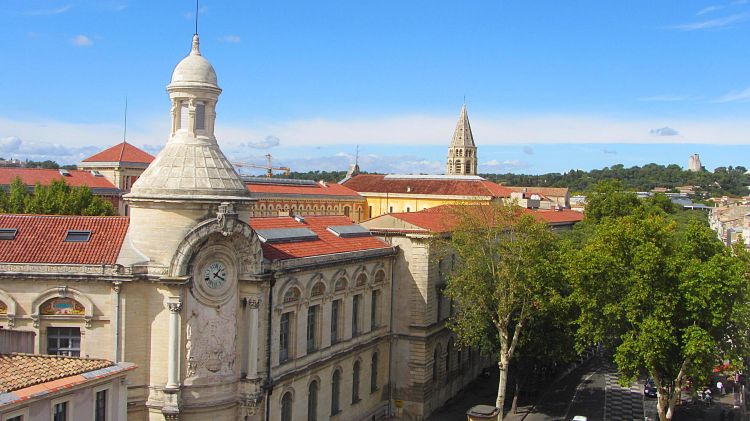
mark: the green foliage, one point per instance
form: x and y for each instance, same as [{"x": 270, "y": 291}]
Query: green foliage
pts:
[
  {"x": 673, "y": 301},
  {"x": 723, "y": 181},
  {"x": 55, "y": 199},
  {"x": 328, "y": 176},
  {"x": 50, "y": 165}
]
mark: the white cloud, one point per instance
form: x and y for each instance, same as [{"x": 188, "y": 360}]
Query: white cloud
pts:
[
  {"x": 712, "y": 23},
  {"x": 233, "y": 39},
  {"x": 735, "y": 96},
  {"x": 47, "y": 12},
  {"x": 82, "y": 41},
  {"x": 664, "y": 131},
  {"x": 267, "y": 143},
  {"x": 10, "y": 144},
  {"x": 709, "y": 9},
  {"x": 528, "y": 150}
]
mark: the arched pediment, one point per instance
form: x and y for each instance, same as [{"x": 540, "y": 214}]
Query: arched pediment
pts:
[
  {"x": 8, "y": 308},
  {"x": 62, "y": 302},
  {"x": 225, "y": 228}
]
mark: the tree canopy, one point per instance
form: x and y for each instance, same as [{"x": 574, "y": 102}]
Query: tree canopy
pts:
[
  {"x": 58, "y": 198},
  {"x": 508, "y": 275}
]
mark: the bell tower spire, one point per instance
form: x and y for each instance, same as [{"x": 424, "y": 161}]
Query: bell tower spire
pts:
[{"x": 462, "y": 153}]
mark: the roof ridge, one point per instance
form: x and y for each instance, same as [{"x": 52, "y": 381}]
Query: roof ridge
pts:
[
  {"x": 122, "y": 150},
  {"x": 26, "y": 354}
]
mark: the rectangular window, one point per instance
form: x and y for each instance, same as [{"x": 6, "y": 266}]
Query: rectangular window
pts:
[
  {"x": 60, "y": 412},
  {"x": 77, "y": 236},
  {"x": 390, "y": 209},
  {"x": 8, "y": 233},
  {"x": 335, "y": 316},
  {"x": 369, "y": 209},
  {"x": 183, "y": 116},
  {"x": 374, "y": 310},
  {"x": 64, "y": 341},
  {"x": 284, "y": 336},
  {"x": 355, "y": 314},
  {"x": 100, "y": 406},
  {"x": 312, "y": 328},
  {"x": 200, "y": 116},
  {"x": 16, "y": 418}
]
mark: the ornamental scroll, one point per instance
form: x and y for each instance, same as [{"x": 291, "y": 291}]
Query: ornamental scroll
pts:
[{"x": 61, "y": 307}]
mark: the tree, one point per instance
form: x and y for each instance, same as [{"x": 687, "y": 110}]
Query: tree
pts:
[
  {"x": 57, "y": 198},
  {"x": 610, "y": 199},
  {"x": 673, "y": 303},
  {"x": 507, "y": 274}
]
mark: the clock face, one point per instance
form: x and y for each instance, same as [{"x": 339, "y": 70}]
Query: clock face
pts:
[{"x": 215, "y": 275}]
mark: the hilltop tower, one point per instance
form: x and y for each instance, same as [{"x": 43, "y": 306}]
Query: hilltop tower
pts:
[
  {"x": 694, "y": 163},
  {"x": 462, "y": 153}
]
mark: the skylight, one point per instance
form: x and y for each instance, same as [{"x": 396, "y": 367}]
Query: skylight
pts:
[
  {"x": 77, "y": 236},
  {"x": 285, "y": 235},
  {"x": 349, "y": 231},
  {"x": 8, "y": 233}
]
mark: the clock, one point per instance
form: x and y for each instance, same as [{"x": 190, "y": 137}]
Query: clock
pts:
[{"x": 215, "y": 275}]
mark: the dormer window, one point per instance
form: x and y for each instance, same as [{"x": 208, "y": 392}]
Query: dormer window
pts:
[
  {"x": 200, "y": 116},
  {"x": 183, "y": 116},
  {"x": 77, "y": 236}
]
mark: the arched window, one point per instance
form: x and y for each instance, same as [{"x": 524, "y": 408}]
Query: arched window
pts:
[
  {"x": 448, "y": 351},
  {"x": 291, "y": 295},
  {"x": 374, "y": 373},
  {"x": 379, "y": 277},
  {"x": 346, "y": 210},
  {"x": 340, "y": 284},
  {"x": 361, "y": 280},
  {"x": 286, "y": 407},
  {"x": 312, "y": 402},
  {"x": 435, "y": 356},
  {"x": 318, "y": 289},
  {"x": 355, "y": 382},
  {"x": 468, "y": 167},
  {"x": 335, "y": 392}
]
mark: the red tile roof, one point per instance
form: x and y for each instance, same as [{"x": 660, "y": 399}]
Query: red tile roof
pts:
[
  {"x": 31, "y": 176},
  {"x": 378, "y": 183},
  {"x": 122, "y": 152},
  {"x": 441, "y": 219},
  {"x": 330, "y": 189},
  {"x": 327, "y": 242},
  {"x": 544, "y": 191},
  {"x": 18, "y": 371},
  {"x": 39, "y": 239}
]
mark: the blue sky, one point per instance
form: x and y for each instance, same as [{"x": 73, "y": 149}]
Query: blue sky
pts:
[{"x": 551, "y": 85}]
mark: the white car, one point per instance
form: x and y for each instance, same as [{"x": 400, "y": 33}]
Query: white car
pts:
[{"x": 579, "y": 418}]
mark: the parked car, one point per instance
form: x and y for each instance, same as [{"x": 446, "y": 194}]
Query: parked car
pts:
[
  {"x": 649, "y": 388},
  {"x": 580, "y": 418}
]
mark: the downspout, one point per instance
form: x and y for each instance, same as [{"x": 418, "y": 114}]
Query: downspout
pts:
[
  {"x": 116, "y": 286},
  {"x": 392, "y": 344},
  {"x": 269, "y": 385}
]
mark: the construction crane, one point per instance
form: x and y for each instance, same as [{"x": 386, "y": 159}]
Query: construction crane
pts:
[{"x": 269, "y": 167}]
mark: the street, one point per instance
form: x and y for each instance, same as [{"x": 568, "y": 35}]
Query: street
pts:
[{"x": 592, "y": 390}]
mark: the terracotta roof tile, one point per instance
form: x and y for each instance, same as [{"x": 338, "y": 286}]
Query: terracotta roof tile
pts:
[
  {"x": 31, "y": 176},
  {"x": 331, "y": 189},
  {"x": 544, "y": 191},
  {"x": 18, "y": 371},
  {"x": 122, "y": 152},
  {"x": 441, "y": 219},
  {"x": 377, "y": 183},
  {"x": 39, "y": 239},
  {"x": 327, "y": 243}
]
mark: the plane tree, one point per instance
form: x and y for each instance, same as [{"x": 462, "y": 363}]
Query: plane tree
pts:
[
  {"x": 508, "y": 273},
  {"x": 673, "y": 303}
]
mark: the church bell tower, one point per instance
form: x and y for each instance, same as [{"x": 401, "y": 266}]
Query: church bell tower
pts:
[{"x": 462, "y": 154}]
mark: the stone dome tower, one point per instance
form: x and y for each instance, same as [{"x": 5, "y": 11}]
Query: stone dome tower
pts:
[
  {"x": 191, "y": 176},
  {"x": 462, "y": 153}
]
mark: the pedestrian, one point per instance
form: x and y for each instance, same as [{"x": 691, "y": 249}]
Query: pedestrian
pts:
[{"x": 720, "y": 387}]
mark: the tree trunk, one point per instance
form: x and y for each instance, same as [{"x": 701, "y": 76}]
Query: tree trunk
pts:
[
  {"x": 666, "y": 402},
  {"x": 514, "y": 405},
  {"x": 503, "y": 365}
]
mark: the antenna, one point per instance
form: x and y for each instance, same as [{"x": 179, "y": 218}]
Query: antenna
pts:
[
  {"x": 196, "y": 17},
  {"x": 125, "y": 128}
]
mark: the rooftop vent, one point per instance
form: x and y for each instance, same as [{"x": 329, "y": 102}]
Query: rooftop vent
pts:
[
  {"x": 285, "y": 235},
  {"x": 64, "y": 173},
  {"x": 349, "y": 231},
  {"x": 77, "y": 236},
  {"x": 96, "y": 173},
  {"x": 8, "y": 233},
  {"x": 299, "y": 218}
]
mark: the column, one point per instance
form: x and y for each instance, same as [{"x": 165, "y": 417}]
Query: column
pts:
[
  {"x": 252, "y": 350},
  {"x": 174, "y": 304}
]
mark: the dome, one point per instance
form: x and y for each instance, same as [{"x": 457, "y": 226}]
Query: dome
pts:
[{"x": 194, "y": 71}]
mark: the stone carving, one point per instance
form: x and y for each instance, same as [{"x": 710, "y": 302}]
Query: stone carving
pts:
[
  {"x": 211, "y": 336},
  {"x": 174, "y": 306},
  {"x": 227, "y": 218},
  {"x": 251, "y": 404}
]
